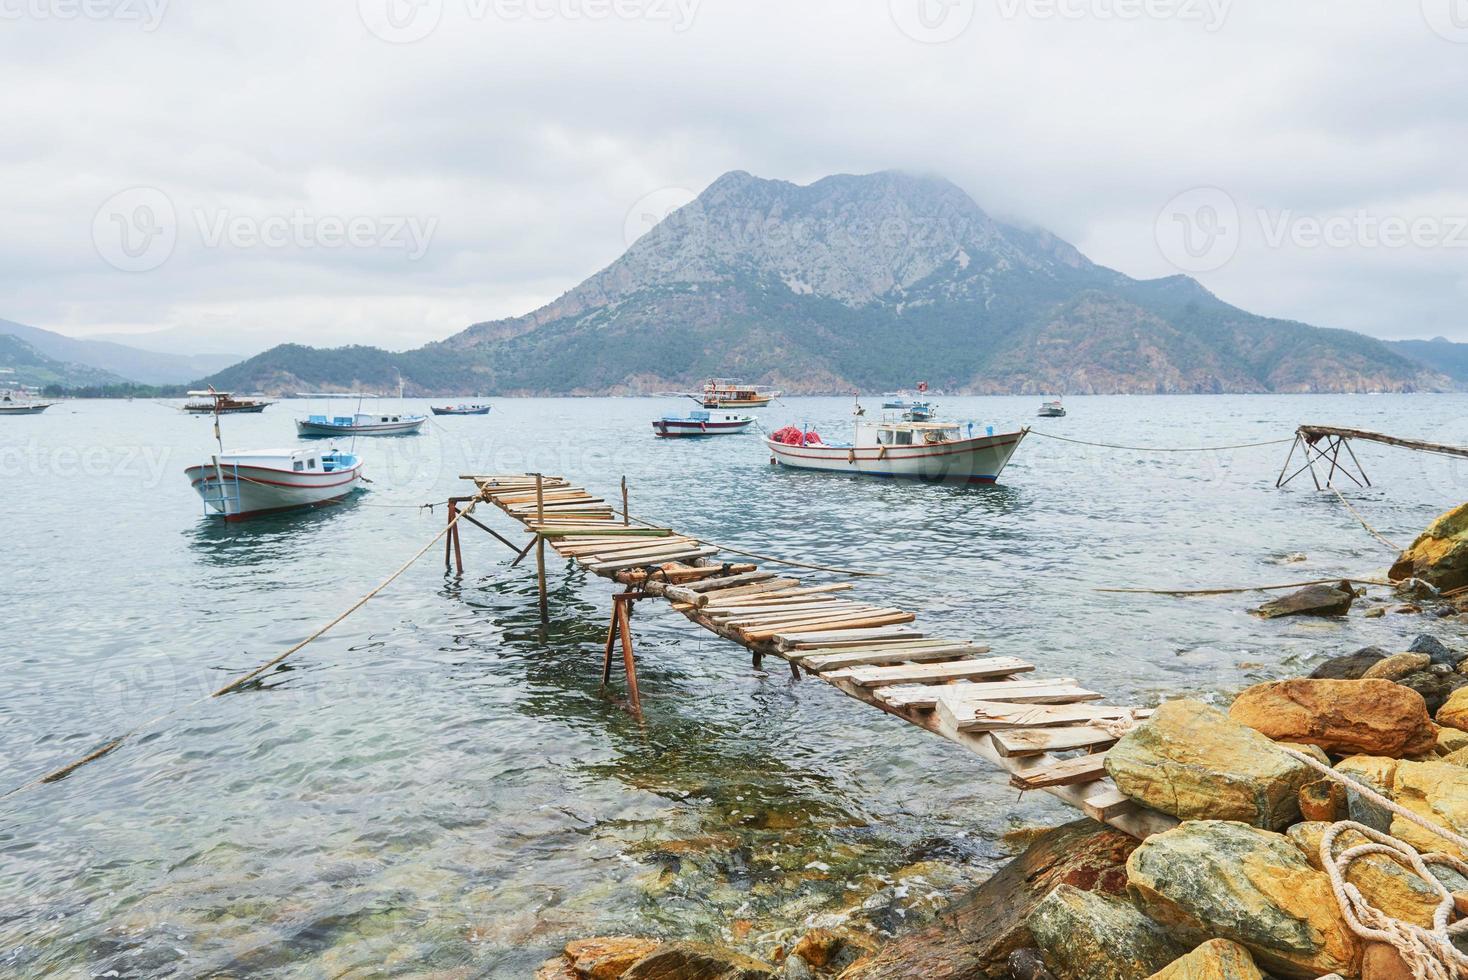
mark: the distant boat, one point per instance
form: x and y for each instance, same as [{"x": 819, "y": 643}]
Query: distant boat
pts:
[
  {"x": 248, "y": 483},
  {"x": 730, "y": 393},
  {"x": 360, "y": 424},
  {"x": 223, "y": 403},
  {"x": 936, "y": 451},
  {"x": 1052, "y": 410},
  {"x": 912, "y": 409},
  {"x": 475, "y": 409},
  {"x": 19, "y": 403},
  {"x": 703, "y": 423}
]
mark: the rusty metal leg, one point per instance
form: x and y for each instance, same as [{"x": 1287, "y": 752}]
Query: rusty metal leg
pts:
[
  {"x": 606, "y": 660},
  {"x": 448, "y": 541},
  {"x": 627, "y": 658}
]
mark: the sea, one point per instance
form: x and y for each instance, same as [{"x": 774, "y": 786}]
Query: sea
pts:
[{"x": 440, "y": 787}]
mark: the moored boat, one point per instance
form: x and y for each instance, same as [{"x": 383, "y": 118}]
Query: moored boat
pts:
[
  {"x": 703, "y": 423},
  {"x": 223, "y": 403},
  {"x": 20, "y": 403},
  {"x": 935, "y": 451},
  {"x": 248, "y": 483},
  {"x": 730, "y": 393},
  {"x": 360, "y": 424},
  {"x": 1052, "y": 410},
  {"x": 461, "y": 409}
]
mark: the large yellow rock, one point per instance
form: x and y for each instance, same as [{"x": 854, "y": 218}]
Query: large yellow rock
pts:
[
  {"x": 1440, "y": 554},
  {"x": 1367, "y": 717},
  {"x": 1437, "y": 791},
  {"x": 1217, "y": 959},
  {"x": 607, "y": 957},
  {"x": 1389, "y": 885},
  {"x": 1454, "y": 712}
]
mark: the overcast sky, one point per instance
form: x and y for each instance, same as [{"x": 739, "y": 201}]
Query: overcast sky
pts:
[{"x": 389, "y": 171}]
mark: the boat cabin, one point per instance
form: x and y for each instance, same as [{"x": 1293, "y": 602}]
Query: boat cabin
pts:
[{"x": 305, "y": 460}]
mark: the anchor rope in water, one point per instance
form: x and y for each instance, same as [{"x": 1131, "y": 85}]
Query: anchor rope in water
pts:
[
  {"x": 56, "y": 775},
  {"x": 1161, "y": 449},
  {"x": 1253, "y": 588},
  {"x": 1364, "y": 523}
]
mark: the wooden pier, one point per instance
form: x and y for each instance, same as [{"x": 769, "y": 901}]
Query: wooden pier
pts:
[
  {"x": 1045, "y": 733},
  {"x": 1324, "y": 444}
]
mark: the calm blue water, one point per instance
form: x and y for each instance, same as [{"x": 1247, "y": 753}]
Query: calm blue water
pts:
[{"x": 437, "y": 788}]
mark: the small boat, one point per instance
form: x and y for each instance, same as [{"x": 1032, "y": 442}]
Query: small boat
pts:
[
  {"x": 919, "y": 412},
  {"x": 361, "y": 424},
  {"x": 223, "y": 403},
  {"x": 912, "y": 409},
  {"x": 1052, "y": 410},
  {"x": 703, "y": 423},
  {"x": 729, "y": 393},
  {"x": 934, "y": 451},
  {"x": 474, "y": 409},
  {"x": 20, "y": 403},
  {"x": 247, "y": 483}
]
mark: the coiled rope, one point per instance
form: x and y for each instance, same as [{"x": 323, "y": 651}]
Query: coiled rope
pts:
[
  {"x": 71, "y": 767},
  {"x": 1162, "y": 449}
]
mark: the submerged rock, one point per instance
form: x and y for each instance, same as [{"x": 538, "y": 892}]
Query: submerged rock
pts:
[
  {"x": 1397, "y": 666},
  {"x": 833, "y": 950},
  {"x": 1351, "y": 667},
  {"x": 1212, "y": 879},
  {"x": 979, "y": 932},
  {"x": 1191, "y": 761},
  {"x": 1217, "y": 959},
  {"x": 1086, "y": 936},
  {"x": 607, "y": 957},
  {"x": 1366, "y": 717},
  {"x": 697, "y": 961},
  {"x": 1439, "y": 556},
  {"x": 1313, "y": 600}
]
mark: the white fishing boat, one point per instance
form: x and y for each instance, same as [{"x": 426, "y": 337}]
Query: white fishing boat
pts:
[
  {"x": 360, "y": 423},
  {"x": 936, "y": 451},
  {"x": 246, "y": 483},
  {"x": 703, "y": 423},
  {"x": 19, "y": 403},
  {"x": 1052, "y": 410}
]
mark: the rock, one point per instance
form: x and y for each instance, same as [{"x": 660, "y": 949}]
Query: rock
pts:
[
  {"x": 1377, "y": 774},
  {"x": 1437, "y": 791},
  {"x": 1217, "y": 959},
  {"x": 607, "y": 957},
  {"x": 1450, "y": 740},
  {"x": 1407, "y": 610},
  {"x": 1212, "y": 879},
  {"x": 1313, "y": 600},
  {"x": 1434, "y": 686},
  {"x": 980, "y": 931},
  {"x": 558, "y": 968},
  {"x": 1397, "y": 666},
  {"x": 1366, "y": 717},
  {"x": 1439, "y": 556},
  {"x": 1392, "y": 887},
  {"x": 1458, "y": 758},
  {"x": 796, "y": 968},
  {"x": 697, "y": 961},
  {"x": 1375, "y": 612},
  {"x": 833, "y": 950},
  {"x": 1086, "y": 936},
  {"x": 1323, "y": 799},
  {"x": 1191, "y": 761},
  {"x": 1028, "y": 964},
  {"x": 1415, "y": 588},
  {"x": 1351, "y": 667},
  {"x": 1382, "y": 962},
  {"x": 1454, "y": 712},
  {"x": 1437, "y": 652}
]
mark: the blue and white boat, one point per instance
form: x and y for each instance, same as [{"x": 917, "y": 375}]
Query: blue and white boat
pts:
[
  {"x": 360, "y": 424},
  {"x": 704, "y": 423},
  {"x": 248, "y": 483}
]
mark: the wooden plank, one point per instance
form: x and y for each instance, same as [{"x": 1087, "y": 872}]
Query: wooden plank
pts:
[
  {"x": 612, "y": 531},
  {"x": 860, "y": 622},
  {"x": 1067, "y": 772},
  {"x": 935, "y": 673},
  {"x": 602, "y": 568},
  {"x": 1052, "y": 690},
  {"x": 980, "y": 716},
  {"x": 731, "y": 581},
  {"x": 1037, "y": 741},
  {"x": 822, "y": 610},
  {"x": 836, "y": 639},
  {"x": 776, "y": 594},
  {"x": 821, "y": 616},
  {"x": 860, "y": 657},
  {"x": 744, "y": 590},
  {"x": 612, "y": 547},
  {"x": 651, "y": 547},
  {"x": 1110, "y": 805}
]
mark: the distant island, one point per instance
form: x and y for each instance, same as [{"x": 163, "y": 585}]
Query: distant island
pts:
[{"x": 859, "y": 283}]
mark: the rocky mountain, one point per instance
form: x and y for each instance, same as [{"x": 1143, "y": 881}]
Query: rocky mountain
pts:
[
  {"x": 1438, "y": 354},
  {"x": 118, "y": 360},
  {"x": 22, "y": 364},
  {"x": 865, "y": 282}
]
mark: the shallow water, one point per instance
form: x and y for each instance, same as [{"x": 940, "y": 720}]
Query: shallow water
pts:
[{"x": 436, "y": 787}]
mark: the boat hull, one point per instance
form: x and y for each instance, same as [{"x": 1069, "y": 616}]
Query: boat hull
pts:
[
  {"x": 23, "y": 409},
  {"x": 252, "y": 491},
  {"x": 979, "y": 461},
  {"x": 236, "y": 410},
  {"x": 461, "y": 411},
  {"x": 692, "y": 429},
  {"x": 307, "y": 428},
  {"x": 759, "y": 401}
]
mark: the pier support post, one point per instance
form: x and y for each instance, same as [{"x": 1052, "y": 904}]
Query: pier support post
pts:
[
  {"x": 621, "y": 627},
  {"x": 540, "y": 548},
  {"x": 626, "y": 516},
  {"x": 451, "y": 540}
]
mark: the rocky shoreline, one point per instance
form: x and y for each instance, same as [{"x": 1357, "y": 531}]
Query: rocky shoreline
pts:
[{"x": 1238, "y": 889}]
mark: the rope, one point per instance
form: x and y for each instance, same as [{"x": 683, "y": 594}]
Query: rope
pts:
[
  {"x": 1158, "y": 449},
  {"x": 1252, "y": 588},
  {"x": 69, "y": 768},
  {"x": 1369, "y": 529}
]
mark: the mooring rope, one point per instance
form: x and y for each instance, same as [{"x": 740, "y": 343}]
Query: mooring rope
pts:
[
  {"x": 1253, "y": 588},
  {"x": 1162, "y": 449},
  {"x": 1369, "y": 529},
  {"x": 71, "y": 767}
]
